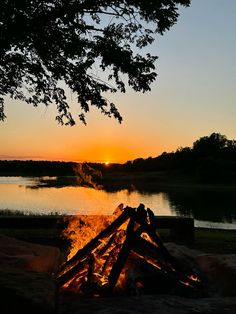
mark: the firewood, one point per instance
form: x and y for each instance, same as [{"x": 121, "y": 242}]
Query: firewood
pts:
[
  {"x": 95, "y": 241},
  {"x": 70, "y": 274},
  {"x": 76, "y": 282},
  {"x": 151, "y": 253},
  {"x": 112, "y": 240},
  {"x": 113, "y": 253},
  {"x": 122, "y": 256},
  {"x": 83, "y": 268}
]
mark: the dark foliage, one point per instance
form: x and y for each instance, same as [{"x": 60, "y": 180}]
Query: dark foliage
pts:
[
  {"x": 36, "y": 168},
  {"x": 49, "y": 46},
  {"x": 212, "y": 159}
]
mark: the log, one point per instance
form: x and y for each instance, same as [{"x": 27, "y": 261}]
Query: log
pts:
[
  {"x": 150, "y": 229},
  {"x": 148, "y": 251},
  {"x": 122, "y": 256},
  {"x": 70, "y": 274},
  {"x": 112, "y": 240},
  {"x": 113, "y": 253},
  {"x": 88, "y": 286},
  {"x": 74, "y": 282},
  {"x": 95, "y": 241}
]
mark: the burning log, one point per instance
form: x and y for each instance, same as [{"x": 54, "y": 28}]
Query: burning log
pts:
[
  {"x": 153, "y": 255},
  {"x": 71, "y": 273},
  {"x": 122, "y": 257},
  {"x": 94, "y": 242},
  {"x": 112, "y": 255},
  {"x": 98, "y": 268}
]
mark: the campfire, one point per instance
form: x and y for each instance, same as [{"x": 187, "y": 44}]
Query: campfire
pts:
[{"x": 128, "y": 257}]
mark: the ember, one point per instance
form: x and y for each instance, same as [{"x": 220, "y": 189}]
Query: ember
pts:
[{"x": 128, "y": 256}]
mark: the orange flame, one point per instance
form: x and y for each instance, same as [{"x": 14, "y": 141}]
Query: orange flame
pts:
[{"x": 194, "y": 278}]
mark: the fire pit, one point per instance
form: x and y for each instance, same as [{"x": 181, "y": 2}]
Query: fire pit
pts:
[{"x": 128, "y": 257}]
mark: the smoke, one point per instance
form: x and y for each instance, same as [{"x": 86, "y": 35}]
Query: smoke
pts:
[{"x": 88, "y": 176}]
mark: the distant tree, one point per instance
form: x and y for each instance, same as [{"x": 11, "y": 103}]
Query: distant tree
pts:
[
  {"x": 210, "y": 144},
  {"x": 45, "y": 43}
]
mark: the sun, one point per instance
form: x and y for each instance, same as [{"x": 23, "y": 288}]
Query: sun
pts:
[{"x": 107, "y": 163}]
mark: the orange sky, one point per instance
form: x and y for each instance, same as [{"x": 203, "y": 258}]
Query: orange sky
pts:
[{"x": 193, "y": 96}]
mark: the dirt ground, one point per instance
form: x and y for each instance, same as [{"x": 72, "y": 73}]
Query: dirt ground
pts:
[{"x": 146, "y": 304}]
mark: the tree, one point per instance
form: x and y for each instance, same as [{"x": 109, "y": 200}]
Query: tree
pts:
[
  {"x": 44, "y": 43},
  {"x": 208, "y": 145}
]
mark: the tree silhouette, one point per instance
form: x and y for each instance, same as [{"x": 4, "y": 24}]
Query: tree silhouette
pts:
[
  {"x": 210, "y": 145},
  {"x": 45, "y": 43}
]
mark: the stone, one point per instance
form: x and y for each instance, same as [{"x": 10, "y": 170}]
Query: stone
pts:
[
  {"x": 27, "y": 292},
  {"x": 16, "y": 253},
  {"x": 220, "y": 273},
  {"x": 27, "y": 284}
]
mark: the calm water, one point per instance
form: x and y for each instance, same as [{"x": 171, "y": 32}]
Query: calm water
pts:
[{"x": 208, "y": 208}]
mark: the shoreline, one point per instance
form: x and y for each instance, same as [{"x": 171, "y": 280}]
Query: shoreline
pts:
[{"x": 47, "y": 231}]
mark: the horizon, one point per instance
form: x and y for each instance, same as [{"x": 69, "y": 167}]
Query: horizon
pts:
[{"x": 106, "y": 162}]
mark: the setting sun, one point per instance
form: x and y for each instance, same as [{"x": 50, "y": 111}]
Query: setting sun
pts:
[{"x": 106, "y": 163}]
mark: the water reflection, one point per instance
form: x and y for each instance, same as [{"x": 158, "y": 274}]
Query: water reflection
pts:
[
  {"x": 15, "y": 194},
  {"x": 207, "y": 206}
]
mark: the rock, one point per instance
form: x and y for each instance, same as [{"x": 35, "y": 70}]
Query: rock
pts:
[
  {"x": 27, "y": 292},
  {"x": 16, "y": 253},
  {"x": 220, "y": 272},
  {"x": 185, "y": 256},
  {"x": 217, "y": 270},
  {"x": 26, "y": 277}
]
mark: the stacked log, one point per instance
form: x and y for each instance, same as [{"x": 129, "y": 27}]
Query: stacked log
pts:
[{"x": 85, "y": 270}]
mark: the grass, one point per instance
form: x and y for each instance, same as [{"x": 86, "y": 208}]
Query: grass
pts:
[
  {"x": 215, "y": 241},
  {"x": 20, "y": 213},
  {"x": 207, "y": 240}
]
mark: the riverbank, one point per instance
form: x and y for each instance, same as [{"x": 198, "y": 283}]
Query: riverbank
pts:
[
  {"x": 151, "y": 181},
  {"x": 49, "y": 229}
]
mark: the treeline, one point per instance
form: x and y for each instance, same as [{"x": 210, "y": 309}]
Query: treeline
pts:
[
  {"x": 211, "y": 159},
  {"x": 36, "y": 168}
]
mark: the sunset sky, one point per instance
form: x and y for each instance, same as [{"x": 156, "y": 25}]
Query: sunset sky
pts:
[{"x": 193, "y": 96}]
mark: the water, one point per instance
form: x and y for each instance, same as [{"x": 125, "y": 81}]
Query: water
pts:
[{"x": 209, "y": 208}]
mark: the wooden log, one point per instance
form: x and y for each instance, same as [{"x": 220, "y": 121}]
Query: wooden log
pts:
[
  {"x": 77, "y": 280},
  {"x": 88, "y": 286},
  {"x": 110, "y": 258},
  {"x": 70, "y": 274},
  {"x": 173, "y": 266},
  {"x": 147, "y": 250},
  {"x": 95, "y": 241},
  {"x": 151, "y": 253},
  {"x": 151, "y": 231},
  {"x": 122, "y": 256},
  {"x": 107, "y": 245}
]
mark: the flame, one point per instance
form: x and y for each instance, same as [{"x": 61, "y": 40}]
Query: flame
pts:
[
  {"x": 93, "y": 278},
  {"x": 186, "y": 283},
  {"x": 81, "y": 229},
  {"x": 194, "y": 278}
]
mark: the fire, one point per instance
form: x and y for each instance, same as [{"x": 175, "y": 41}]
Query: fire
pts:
[
  {"x": 87, "y": 227},
  {"x": 107, "y": 254},
  {"x": 194, "y": 278}
]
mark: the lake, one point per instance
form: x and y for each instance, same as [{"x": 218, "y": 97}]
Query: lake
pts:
[{"x": 209, "y": 208}]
